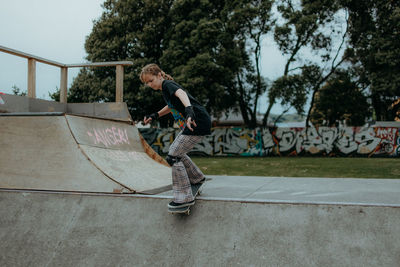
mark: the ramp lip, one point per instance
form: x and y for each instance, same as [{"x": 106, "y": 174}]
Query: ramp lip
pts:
[
  {"x": 127, "y": 121},
  {"x": 66, "y": 192},
  {"x": 27, "y": 114},
  {"x": 300, "y": 202},
  {"x": 240, "y": 200}
]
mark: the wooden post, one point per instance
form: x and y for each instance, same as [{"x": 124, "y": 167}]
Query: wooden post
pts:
[
  {"x": 63, "y": 85},
  {"x": 31, "y": 78},
  {"x": 119, "y": 84}
]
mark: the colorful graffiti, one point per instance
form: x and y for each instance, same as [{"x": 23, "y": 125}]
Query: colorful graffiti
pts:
[{"x": 321, "y": 141}]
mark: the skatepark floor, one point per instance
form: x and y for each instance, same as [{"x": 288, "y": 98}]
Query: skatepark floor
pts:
[{"x": 352, "y": 191}]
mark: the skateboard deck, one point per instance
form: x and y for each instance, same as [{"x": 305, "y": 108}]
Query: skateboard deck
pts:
[{"x": 196, "y": 190}]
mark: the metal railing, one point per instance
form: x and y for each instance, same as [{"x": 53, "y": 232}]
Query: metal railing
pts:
[{"x": 119, "y": 87}]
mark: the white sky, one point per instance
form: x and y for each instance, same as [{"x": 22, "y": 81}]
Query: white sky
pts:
[
  {"x": 51, "y": 29},
  {"x": 56, "y": 30}
]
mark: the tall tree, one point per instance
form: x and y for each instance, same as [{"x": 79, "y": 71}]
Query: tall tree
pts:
[
  {"x": 127, "y": 30},
  {"x": 17, "y": 91},
  {"x": 217, "y": 44},
  {"x": 305, "y": 25},
  {"x": 254, "y": 20},
  {"x": 340, "y": 100},
  {"x": 375, "y": 44},
  {"x": 196, "y": 41},
  {"x": 201, "y": 51}
]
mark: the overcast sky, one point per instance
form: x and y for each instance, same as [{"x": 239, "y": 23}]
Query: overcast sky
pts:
[{"x": 56, "y": 30}]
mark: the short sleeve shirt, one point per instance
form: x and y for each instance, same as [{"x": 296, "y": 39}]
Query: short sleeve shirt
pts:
[{"x": 203, "y": 120}]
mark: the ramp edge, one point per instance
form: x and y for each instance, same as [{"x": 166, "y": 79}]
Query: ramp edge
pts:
[{"x": 208, "y": 199}]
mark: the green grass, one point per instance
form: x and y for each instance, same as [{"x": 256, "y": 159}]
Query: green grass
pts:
[{"x": 300, "y": 166}]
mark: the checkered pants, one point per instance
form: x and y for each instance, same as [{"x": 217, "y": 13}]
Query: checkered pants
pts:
[{"x": 184, "y": 172}]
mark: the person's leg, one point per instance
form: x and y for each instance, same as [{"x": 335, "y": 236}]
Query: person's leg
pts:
[
  {"x": 180, "y": 179},
  {"x": 194, "y": 173}
]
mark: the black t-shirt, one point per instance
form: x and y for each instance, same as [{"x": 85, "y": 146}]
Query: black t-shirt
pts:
[{"x": 203, "y": 120}]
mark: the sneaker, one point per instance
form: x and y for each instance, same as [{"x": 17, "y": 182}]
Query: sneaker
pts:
[{"x": 175, "y": 205}]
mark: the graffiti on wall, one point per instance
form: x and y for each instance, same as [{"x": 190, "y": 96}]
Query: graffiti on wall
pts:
[
  {"x": 321, "y": 141},
  {"x": 109, "y": 136}
]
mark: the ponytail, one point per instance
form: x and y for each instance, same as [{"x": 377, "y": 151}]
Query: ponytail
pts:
[{"x": 166, "y": 76}]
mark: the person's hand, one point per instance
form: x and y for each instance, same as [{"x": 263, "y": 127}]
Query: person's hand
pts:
[
  {"x": 190, "y": 122},
  {"x": 190, "y": 117},
  {"x": 149, "y": 118}
]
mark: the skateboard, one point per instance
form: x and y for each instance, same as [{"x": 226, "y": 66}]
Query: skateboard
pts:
[{"x": 196, "y": 190}]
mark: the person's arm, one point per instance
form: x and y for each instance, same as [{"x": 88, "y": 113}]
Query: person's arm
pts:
[
  {"x": 148, "y": 118},
  {"x": 164, "y": 111},
  {"x": 190, "y": 116},
  {"x": 183, "y": 97}
]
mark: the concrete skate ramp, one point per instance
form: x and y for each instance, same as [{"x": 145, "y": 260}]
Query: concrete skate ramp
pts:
[
  {"x": 117, "y": 149},
  {"x": 61, "y": 229},
  {"x": 41, "y": 153}
]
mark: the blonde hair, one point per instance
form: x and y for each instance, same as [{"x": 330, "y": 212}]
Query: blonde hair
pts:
[{"x": 153, "y": 69}]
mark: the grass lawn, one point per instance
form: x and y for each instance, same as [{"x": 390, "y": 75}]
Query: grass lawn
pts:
[{"x": 301, "y": 166}]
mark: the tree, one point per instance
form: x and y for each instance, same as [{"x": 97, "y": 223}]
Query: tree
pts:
[
  {"x": 395, "y": 109},
  {"x": 253, "y": 20},
  {"x": 340, "y": 100},
  {"x": 17, "y": 91},
  {"x": 201, "y": 51},
  {"x": 190, "y": 39},
  {"x": 212, "y": 46},
  {"x": 306, "y": 25},
  {"x": 127, "y": 30},
  {"x": 375, "y": 45}
]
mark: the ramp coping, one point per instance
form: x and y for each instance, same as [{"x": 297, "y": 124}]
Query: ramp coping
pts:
[
  {"x": 242, "y": 200},
  {"x": 11, "y": 114}
]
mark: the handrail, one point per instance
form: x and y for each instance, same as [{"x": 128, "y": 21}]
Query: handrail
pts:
[
  {"x": 29, "y": 56},
  {"x": 32, "y": 59},
  {"x": 100, "y": 64}
]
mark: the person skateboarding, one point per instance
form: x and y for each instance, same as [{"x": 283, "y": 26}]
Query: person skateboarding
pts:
[{"x": 194, "y": 122}]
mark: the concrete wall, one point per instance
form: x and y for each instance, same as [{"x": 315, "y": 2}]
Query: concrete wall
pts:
[
  {"x": 54, "y": 229},
  {"x": 322, "y": 141},
  {"x": 100, "y": 110},
  {"x": 13, "y": 103}
]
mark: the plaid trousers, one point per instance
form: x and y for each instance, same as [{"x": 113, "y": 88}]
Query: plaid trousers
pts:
[{"x": 184, "y": 172}]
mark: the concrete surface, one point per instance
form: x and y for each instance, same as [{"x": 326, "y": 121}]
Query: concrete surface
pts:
[
  {"x": 23, "y": 104},
  {"x": 100, "y": 110},
  {"x": 342, "y": 191},
  {"x": 71, "y": 153},
  {"x": 63, "y": 229},
  {"x": 14, "y": 103},
  {"x": 237, "y": 221}
]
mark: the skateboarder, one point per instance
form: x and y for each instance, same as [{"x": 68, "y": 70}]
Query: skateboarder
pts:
[{"x": 194, "y": 122}]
